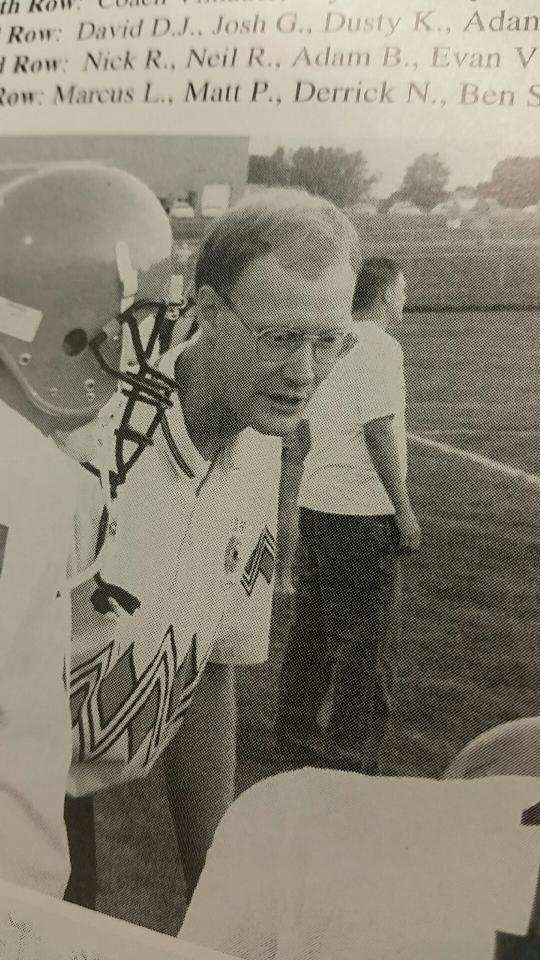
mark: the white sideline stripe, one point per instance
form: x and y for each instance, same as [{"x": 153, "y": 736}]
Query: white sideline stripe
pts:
[
  {"x": 469, "y": 523},
  {"x": 451, "y": 404},
  {"x": 532, "y": 478},
  {"x": 480, "y": 433}
]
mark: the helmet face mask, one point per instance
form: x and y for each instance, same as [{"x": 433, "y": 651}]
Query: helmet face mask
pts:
[
  {"x": 141, "y": 383},
  {"x": 79, "y": 244}
]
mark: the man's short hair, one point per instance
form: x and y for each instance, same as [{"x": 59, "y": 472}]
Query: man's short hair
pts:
[
  {"x": 306, "y": 234},
  {"x": 374, "y": 278}
]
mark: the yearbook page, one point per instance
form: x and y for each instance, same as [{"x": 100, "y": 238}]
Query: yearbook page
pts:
[{"x": 270, "y": 483}]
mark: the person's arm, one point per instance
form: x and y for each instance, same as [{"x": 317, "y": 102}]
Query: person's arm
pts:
[
  {"x": 295, "y": 450},
  {"x": 381, "y": 443},
  {"x": 35, "y": 722}
]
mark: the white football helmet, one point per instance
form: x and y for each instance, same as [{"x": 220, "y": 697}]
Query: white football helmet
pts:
[{"x": 83, "y": 249}]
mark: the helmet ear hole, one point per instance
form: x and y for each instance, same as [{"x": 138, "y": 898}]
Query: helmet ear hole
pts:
[{"x": 75, "y": 342}]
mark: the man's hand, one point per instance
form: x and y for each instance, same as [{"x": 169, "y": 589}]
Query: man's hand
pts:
[{"x": 409, "y": 530}]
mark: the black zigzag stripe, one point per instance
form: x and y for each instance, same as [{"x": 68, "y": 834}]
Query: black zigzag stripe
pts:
[
  {"x": 262, "y": 561},
  {"x": 531, "y": 817},
  {"x": 139, "y": 707},
  {"x": 104, "y": 737},
  {"x": 83, "y": 681}
]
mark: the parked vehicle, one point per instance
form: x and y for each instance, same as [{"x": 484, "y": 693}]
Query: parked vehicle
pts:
[{"x": 215, "y": 199}]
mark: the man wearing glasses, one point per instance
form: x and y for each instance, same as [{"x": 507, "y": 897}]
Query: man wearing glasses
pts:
[
  {"x": 196, "y": 515},
  {"x": 273, "y": 286}
]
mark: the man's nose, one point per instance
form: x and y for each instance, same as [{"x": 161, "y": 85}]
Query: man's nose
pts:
[{"x": 300, "y": 366}]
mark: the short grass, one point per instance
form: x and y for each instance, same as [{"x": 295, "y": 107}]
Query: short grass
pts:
[{"x": 468, "y": 656}]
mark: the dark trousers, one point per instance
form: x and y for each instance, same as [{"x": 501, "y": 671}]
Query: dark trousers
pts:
[
  {"x": 81, "y": 832},
  {"x": 348, "y": 602}
]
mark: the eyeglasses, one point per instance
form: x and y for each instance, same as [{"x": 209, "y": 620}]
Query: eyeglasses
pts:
[{"x": 277, "y": 344}]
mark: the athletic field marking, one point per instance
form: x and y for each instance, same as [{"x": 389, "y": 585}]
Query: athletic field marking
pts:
[
  {"x": 473, "y": 405},
  {"x": 531, "y": 478},
  {"x": 479, "y": 433},
  {"x": 477, "y": 523}
]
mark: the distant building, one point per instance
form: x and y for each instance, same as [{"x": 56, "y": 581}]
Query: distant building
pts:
[
  {"x": 454, "y": 210},
  {"x": 366, "y": 208},
  {"x": 443, "y": 209},
  {"x": 465, "y": 192},
  {"x": 254, "y": 188},
  {"x": 486, "y": 206},
  {"x": 454, "y": 206},
  {"x": 403, "y": 208}
]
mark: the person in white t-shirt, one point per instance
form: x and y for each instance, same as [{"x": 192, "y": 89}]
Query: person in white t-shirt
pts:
[
  {"x": 317, "y": 864},
  {"x": 72, "y": 240},
  {"x": 355, "y": 521}
]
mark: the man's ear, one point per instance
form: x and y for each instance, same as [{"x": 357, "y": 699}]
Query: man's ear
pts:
[
  {"x": 208, "y": 308},
  {"x": 386, "y": 295}
]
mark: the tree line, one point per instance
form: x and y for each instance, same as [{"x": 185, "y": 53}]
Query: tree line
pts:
[{"x": 344, "y": 177}]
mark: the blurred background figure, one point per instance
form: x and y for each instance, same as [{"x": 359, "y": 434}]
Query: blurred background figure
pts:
[{"x": 355, "y": 521}]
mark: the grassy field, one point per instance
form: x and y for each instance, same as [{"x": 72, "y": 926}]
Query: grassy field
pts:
[
  {"x": 446, "y": 269},
  {"x": 468, "y": 657},
  {"x": 459, "y": 269}
]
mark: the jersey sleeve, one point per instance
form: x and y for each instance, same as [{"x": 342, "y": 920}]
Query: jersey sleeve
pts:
[{"x": 35, "y": 727}]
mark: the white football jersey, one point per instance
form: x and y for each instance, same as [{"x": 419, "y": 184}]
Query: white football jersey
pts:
[
  {"x": 181, "y": 550},
  {"x": 37, "y": 502}
]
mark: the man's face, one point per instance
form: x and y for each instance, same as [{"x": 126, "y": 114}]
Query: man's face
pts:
[
  {"x": 271, "y": 396},
  {"x": 395, "y": 298}
]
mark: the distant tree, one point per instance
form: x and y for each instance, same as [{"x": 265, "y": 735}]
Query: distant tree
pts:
[
  {"x": 273, "y": 170},
  {"x": 466, "y": 191},
  {"x": 387, "y": 202},
  {"x": 333, "y": 173},
  {"x": 515, "y": 182},
  {"x": 425, "y": 181}
]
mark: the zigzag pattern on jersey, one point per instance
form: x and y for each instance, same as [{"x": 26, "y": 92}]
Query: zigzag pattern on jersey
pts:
[
  {"x": 262, "y": 561},
  {"x": 531, "y": 817},
  {"x": 110, "y": 702}
]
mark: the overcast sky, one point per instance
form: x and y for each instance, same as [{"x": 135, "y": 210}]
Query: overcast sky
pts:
[{"x": 469, "y": 162}]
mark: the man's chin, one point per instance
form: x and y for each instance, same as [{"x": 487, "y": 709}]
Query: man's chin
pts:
[{"x": 278, "y": 425}]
